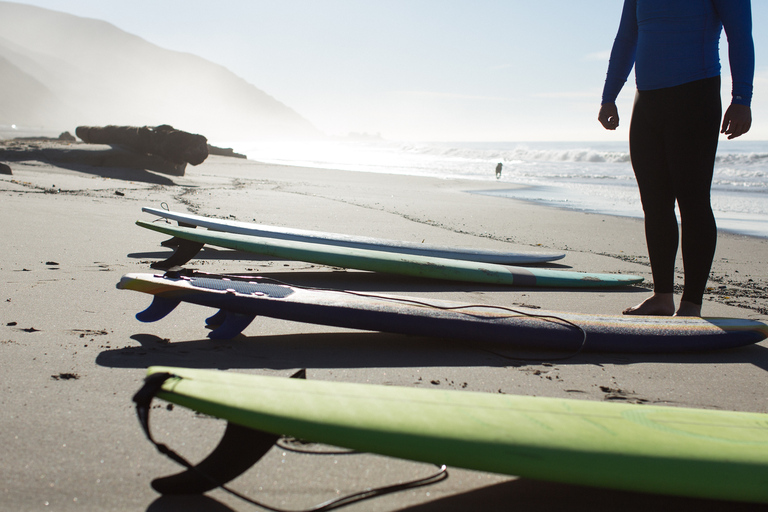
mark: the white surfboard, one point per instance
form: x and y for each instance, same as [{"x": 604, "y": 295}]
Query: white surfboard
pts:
[{"x": 357, "y": 242}]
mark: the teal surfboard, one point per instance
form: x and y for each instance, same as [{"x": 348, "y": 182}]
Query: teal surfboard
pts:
[
  {"x": 665, "y": 450},
  {"x": 394, "y": 263},
  {"x": 357, "y": 242}
]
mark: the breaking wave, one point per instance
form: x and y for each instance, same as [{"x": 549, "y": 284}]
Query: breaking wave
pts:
[{"x": 518, "y": 153}]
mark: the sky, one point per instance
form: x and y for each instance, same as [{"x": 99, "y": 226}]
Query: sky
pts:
[{"x": 418, "y": 70}]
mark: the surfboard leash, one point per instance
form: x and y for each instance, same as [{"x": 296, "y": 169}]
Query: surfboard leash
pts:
[
  {"x": 239, "y": 449},
  {"x": 178, "y": 272}
]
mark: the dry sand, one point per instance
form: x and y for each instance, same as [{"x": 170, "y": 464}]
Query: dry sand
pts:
[{"x": 73, "y": 354}]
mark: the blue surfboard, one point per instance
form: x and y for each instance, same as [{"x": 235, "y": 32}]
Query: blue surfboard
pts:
[{"x": 239, "y": 300}]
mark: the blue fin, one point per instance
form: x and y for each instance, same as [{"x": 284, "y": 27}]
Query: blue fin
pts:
[
  {"x": 233, "y": 324},
  {"x": 159, "y": 308},
  {"x": 217, "y": 319}
]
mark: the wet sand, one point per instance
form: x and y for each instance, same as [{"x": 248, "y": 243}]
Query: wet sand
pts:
[{"x": 73, "y": 354}]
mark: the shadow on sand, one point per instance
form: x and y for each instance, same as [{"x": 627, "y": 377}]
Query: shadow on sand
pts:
[
  {"x": 365, "y": 349},
  {"x": 103, "y": 161},
  {"x": 517, "y": 495}
]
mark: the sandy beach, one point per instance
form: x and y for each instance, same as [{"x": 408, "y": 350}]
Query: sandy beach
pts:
[{"x": 73, "y": 353}]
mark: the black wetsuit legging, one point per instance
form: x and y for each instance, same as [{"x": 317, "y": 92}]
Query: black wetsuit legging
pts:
[{"x": 673, "y": 141}]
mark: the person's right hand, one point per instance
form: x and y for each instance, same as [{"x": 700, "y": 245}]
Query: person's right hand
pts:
[{"x": 609, "y": 116}]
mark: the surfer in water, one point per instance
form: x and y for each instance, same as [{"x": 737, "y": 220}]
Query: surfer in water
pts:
[{"x": 676, "y": 121}]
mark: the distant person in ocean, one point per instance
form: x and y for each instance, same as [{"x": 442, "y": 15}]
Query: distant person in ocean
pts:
[
  {"x": 498, "y": 170},
  {"x": 673, "y": 134}
]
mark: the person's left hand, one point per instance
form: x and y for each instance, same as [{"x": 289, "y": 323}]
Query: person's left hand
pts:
[
  {"x": 609, "y": 116},
  {"x": 736, "y": 121}
]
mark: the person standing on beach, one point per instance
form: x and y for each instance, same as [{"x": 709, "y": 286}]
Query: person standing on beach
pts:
[
  {"x": 498, "y": 170},
  {"x": 676, "y": 121}
]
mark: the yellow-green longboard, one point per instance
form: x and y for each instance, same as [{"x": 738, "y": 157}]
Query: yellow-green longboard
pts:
[{"x": 666, "y": 450}]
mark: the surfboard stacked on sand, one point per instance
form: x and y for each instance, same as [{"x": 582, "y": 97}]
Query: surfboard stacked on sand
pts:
[
  {"x": 239, "y": 301},
  {"x": 361, "y": 253}
]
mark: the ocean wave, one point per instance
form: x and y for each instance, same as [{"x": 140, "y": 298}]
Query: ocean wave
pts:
[
  {"x": 567, "y": 155},
  {"x": 517, "y": 154},
  {"x": 742, "y": 158},
  {"x": 752, "y": 186}
]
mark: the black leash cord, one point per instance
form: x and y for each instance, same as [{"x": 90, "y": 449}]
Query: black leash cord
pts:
[{"x": 416, "y": 302}]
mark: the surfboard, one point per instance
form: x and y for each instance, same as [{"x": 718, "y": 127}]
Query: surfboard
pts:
[
  {"x": 394, "y": 263},
  {"x": 240, "y": 300},
  {"x": 358, "y": 242},
  {"x": 665, "y": 450}
]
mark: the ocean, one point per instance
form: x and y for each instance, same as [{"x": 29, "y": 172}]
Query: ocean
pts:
[{"x": 586, "y": 176}]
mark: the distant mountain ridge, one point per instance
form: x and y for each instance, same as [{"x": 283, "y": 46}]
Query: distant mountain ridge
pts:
[{"x": 58, "y": 71}]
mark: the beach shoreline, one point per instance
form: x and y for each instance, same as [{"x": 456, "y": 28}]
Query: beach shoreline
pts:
[
  {"x": 74, "y": 353},
  {"x": 593, "y": 177}
]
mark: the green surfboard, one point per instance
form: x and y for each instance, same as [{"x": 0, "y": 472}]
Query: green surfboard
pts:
[
  {"x": 393, "y": 263},
  {"x": 665, "y": 450}
]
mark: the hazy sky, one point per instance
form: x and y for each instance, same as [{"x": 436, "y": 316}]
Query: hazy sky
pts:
[{"x": 511, "y": 70}]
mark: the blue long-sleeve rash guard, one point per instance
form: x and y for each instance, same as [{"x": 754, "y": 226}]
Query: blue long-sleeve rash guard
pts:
[{"x": 673, "y": 42}]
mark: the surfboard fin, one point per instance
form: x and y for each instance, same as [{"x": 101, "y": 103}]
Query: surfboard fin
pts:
[
  {"x": 216, "y": 320},
  {"x": 185, "y": 251},
  {"x": 171, "y": 242},
  {"x": 175, "y": 241},
  {"x": 239, "y": 449},
  {"x": 230, "y": 324},
  {"x": 159, "y": 308}
]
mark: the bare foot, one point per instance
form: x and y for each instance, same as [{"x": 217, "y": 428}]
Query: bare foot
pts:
[
  {"x": 688, "y": 309},
  {"x": 659, "y": 304}
]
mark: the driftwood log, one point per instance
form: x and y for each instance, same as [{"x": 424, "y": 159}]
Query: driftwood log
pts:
[{"x": 164, "y": 141}]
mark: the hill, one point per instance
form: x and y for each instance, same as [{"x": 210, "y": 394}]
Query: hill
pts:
[{"x": 60, "y": 71}]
